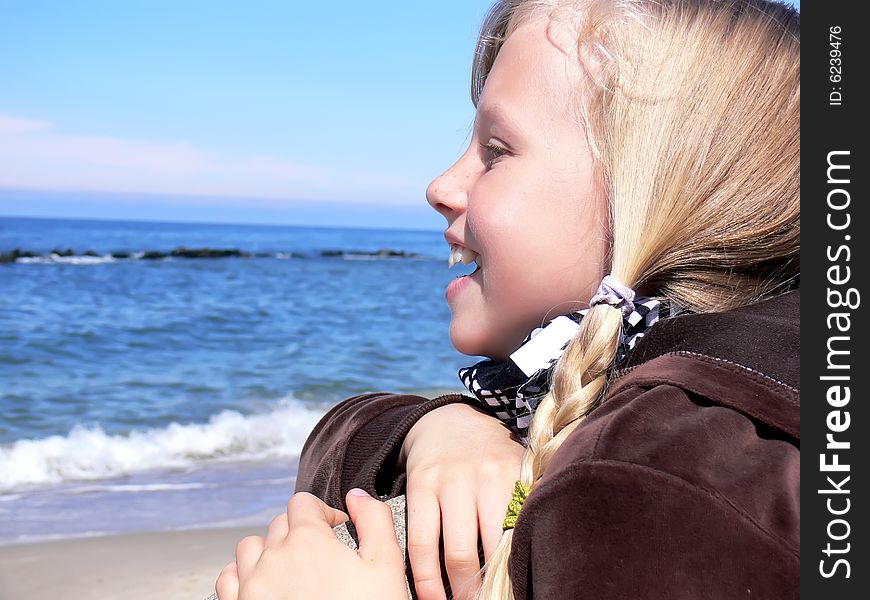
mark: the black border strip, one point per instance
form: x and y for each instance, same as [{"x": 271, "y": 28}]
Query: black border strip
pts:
[{"x": 835, "y": 300}]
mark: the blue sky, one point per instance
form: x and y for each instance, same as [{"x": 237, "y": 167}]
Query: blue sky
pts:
[{"x": 262, "y": 111}]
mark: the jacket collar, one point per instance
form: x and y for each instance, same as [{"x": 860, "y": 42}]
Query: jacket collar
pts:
[{"x": 763, "y": 337}]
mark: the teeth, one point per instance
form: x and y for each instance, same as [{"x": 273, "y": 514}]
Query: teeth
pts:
[
  {"x": 464, "y": 255},
  {"x": 455, "y": 255}
]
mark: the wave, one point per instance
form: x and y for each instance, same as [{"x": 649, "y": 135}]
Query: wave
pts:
[
  {"x": 126, "y": 488},
  {"x": 67, "y": 260},
  {"x": 89, "y": 453},
  {"x": 142, "y": 487}
]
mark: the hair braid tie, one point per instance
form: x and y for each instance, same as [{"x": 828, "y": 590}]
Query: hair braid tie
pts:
[
  {"x": 521, "y": 492},
  {"x": 615, "y": 293}
]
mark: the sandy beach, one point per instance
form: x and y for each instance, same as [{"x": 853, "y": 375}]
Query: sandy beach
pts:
[{"x": 176, "y": 565}]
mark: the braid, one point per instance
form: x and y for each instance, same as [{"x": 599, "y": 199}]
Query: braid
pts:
[{"x": 579, "y": 383}]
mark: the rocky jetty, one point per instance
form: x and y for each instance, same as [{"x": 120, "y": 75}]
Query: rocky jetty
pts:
[
  {"x": 182, "y": 252},
  {"x": 11, "y": 257},
  {"x": 382, "y": 253},
  {"x": 69, "y": 255}
]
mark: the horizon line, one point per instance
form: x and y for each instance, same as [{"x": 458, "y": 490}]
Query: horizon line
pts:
[{"x": 183, "y": 221}]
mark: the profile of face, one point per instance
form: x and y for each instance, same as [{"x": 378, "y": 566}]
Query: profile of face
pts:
[{"x": 526, "y": 199}]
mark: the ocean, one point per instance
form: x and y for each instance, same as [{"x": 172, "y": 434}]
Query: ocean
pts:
[{"x": 142, "y": 389}]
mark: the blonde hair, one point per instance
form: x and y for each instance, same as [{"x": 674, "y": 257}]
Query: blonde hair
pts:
[{"x": 708, "y": 93}]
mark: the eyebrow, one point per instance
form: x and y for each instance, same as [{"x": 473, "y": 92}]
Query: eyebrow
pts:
[{"x": 499, "y": 114}]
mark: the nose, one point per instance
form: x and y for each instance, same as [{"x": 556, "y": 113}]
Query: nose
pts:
[{"x": 447, "y": 193}]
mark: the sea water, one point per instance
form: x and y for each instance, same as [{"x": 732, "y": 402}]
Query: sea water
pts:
[{"x": 154, "y": 394}]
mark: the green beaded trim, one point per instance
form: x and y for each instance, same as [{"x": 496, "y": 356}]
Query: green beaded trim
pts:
[{"x": 521, "y": 492}]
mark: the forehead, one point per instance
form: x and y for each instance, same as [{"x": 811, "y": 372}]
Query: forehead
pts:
[{"x": 530, "y": 79}]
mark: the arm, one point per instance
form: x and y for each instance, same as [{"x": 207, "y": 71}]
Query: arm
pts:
[
  {"x": 356, "y": 444},
  {"x": 461, "y": 466}
]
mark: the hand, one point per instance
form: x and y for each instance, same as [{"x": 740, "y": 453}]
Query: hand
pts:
[
  {"x": 300, "y": 557},
  {"x": 461, "y": 467}
]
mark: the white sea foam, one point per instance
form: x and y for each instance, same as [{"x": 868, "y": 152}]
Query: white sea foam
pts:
[
  {"x": 68, "y": 260},
  {"x": 136, "y": 488},
  {"x": 362, "y": 257},
  {"x": 87, "y": 454}
]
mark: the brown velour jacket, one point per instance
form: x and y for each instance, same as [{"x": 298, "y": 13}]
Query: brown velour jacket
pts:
[{"x": 683, "y": 484}]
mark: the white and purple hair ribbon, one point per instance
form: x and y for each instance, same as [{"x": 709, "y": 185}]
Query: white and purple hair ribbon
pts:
[{"x": 615, "y": 293}]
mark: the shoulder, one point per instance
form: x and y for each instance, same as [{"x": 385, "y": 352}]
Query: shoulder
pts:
[
  {"x": 693, "y": 496},
  {"x": 608, "y": 528},
  {"x": 699, "y": 388},
  {"x": 687, "y": 474},
  {"x": 721, "y": 434}
]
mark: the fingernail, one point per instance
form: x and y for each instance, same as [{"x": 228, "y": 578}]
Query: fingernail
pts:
[{"x": 358, "y": 492}]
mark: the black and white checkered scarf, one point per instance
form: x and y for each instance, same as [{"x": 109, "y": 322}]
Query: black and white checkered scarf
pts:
[{"x": 511, "y": 390}]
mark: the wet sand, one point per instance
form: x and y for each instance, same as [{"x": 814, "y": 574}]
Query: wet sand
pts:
[{"x": 176, "y": 565}]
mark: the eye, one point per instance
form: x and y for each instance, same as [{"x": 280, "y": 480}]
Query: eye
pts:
[{"x": 492, "y": 153}]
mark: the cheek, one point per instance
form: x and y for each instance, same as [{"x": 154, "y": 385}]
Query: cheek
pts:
[
  {"x": 543, "y": 242},
  {"x": 543, "y": 257},
  {"x": 529, "y": 280}
]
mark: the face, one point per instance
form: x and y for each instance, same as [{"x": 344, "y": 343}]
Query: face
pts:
[{"x": 526, "y": 198}]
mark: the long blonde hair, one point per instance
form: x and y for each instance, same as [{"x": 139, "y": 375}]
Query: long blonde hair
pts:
[{"x": 695, "y": 122}]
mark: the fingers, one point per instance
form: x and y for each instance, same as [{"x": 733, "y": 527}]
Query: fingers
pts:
[
  {"x": 306, "y": 513},
  {"x": 248, "y": 552},
  {"x": 424, "y": 533},
  {"x": 305, "y": 509},
  {"x": 492, "y": 505},
  {"x": 278, "y": 529},
  {"x": 459, "y": 517},
  {"x": 491, "y": 532},
  {"x": 373, "y": 520},
  {"x": 227, "y": 584}
]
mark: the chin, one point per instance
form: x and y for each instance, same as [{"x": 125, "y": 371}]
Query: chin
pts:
[{"x": 474, "y": 342}]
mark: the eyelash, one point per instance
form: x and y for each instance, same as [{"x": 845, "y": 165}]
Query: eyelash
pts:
[{"x": 496, "y": 151}]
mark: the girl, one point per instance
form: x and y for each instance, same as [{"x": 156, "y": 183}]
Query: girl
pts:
[{"x": 631, "y": 197}]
